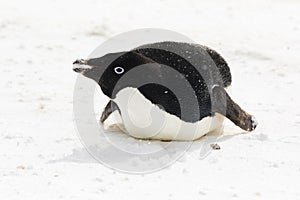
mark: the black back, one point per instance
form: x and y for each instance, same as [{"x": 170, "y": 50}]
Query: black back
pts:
[
  {"x": 178, "y": 77},
  {"x": 200, "y": 66}
]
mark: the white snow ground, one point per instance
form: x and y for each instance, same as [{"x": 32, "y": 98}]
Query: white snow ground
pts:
[{"x": 41, "y": 156}]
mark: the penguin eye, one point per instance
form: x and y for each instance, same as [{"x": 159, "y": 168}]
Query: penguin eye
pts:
[{"x": 119, "y": 70}]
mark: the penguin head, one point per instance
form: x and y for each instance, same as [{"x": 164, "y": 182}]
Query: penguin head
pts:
[{"x": 110, "y": 68}]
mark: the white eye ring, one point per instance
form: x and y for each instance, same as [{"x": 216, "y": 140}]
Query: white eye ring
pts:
[{"x": 119, "y": 70}]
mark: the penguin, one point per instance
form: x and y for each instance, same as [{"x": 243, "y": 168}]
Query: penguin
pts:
[{"x": 166, "y": 90}]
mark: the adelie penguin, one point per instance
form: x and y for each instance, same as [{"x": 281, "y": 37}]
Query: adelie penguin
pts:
[{"x": 166, "y": 90}]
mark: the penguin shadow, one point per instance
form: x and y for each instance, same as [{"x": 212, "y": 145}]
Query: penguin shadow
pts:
[{"x": 201, "y": 147}]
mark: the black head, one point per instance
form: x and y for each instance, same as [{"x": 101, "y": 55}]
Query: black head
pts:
[{"x": 110, "y": 68}]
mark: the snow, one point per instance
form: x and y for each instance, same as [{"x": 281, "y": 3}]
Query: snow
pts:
[{"x": 41, "y": 154}]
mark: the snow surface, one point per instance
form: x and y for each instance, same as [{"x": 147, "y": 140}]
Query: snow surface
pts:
[{"x": 41, "y": 156}]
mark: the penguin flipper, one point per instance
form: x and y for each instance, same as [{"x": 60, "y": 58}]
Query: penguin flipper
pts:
[
  {"x": 224, "y": 105},
  {"x": 111, "y": 118},
  {"x": 108, "y": 110}
]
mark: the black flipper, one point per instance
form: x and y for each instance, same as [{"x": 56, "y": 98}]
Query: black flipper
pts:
[
  {"x": 224, "y": 105},
  {"x": 109, "y": 108}
]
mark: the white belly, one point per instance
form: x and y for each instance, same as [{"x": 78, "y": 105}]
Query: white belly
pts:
[{"x": 142, "y": 119}]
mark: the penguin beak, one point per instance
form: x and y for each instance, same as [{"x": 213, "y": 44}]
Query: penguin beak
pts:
[{"x": 81, "y": 66}]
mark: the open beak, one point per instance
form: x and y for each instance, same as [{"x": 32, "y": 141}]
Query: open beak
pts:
[{"x": 81, "y": 66}]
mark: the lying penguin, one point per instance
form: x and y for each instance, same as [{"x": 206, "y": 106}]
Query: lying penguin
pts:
[{"x": 166, "y": 90}]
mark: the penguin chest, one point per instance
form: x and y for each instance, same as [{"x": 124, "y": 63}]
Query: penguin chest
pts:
[{"x": 143, "y": 119}]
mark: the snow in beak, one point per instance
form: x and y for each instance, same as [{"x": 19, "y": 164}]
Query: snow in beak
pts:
[{"x": 81, "y": 66}]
